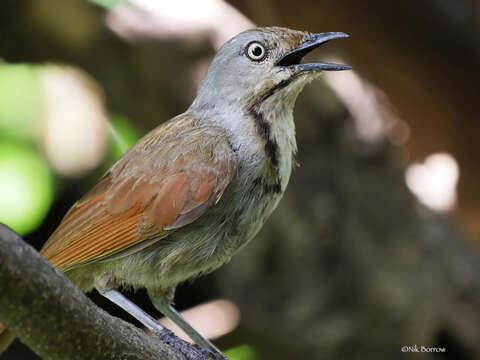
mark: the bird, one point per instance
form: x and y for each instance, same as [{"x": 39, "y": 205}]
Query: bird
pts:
[{"x": 197, "y": 188}]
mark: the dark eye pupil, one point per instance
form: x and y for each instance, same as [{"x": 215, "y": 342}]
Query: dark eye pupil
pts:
[{"x": 257, "y": 51}]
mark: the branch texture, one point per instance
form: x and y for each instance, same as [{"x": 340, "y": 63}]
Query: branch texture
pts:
[{"x": 55, "y": 318}]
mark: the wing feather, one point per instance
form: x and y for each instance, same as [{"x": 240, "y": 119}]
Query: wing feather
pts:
[{"x": 130, "y": 208}]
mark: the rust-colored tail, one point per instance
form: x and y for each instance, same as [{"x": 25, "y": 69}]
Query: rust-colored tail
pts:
[{"x": 6, "y": 338}]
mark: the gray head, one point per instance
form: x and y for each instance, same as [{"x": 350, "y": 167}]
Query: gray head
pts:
[{"x": 255, "y": 64}]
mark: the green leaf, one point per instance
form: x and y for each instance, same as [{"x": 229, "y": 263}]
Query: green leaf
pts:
[
  {"x": 26, "y": 186},
  {"x": 242, "y": 352},
  {"x": 107, "y": 3},
  {"x": 123, "y": 135},
  {"x": 20, "y": 101}
]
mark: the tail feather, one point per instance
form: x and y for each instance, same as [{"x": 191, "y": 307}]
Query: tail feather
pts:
[{"x": 6, "y": 338}]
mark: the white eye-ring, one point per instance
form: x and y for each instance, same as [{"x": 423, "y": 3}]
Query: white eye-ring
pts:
[{"x": 256, "y": 51}]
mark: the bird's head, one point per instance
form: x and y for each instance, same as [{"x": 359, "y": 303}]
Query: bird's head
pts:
[{"x": 263, "y": 63}]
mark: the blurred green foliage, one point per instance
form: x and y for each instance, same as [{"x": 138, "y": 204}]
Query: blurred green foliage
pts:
[
  {"x": 26, "y": 186},
  {"x": 26, "y": 181},
  {"x": 107, "y": 3},
  {"x": 242, "y": 352},
  {"x": 123, "y": 135},
  {"x": 20, "y": 101}
]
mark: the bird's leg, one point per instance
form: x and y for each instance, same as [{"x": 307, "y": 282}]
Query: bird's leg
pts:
[
  {"x": 150, "y": 323},
  {"x": 120, "y": 300},
  {"x": 169, "y": 311}
]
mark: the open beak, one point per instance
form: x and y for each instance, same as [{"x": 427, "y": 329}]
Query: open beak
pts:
[{"x": 293, "y": 57}]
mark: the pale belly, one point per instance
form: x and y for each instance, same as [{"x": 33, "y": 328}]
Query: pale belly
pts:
[{"x": 196, "y": 249}]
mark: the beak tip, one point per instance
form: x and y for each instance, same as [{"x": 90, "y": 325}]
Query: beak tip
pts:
[
  {"x": 332, "y": 35},
  {"x": 334, "y": 67},
  {"x": 340, "y": 35}
]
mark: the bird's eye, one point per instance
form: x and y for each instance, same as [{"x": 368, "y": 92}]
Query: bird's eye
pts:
[{"x": 256, "y": 51}]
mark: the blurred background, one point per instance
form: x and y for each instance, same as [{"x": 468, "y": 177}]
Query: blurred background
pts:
[{"x": 375, "y": 245}]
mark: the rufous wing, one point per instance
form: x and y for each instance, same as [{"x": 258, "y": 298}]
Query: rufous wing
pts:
[{"x": 166, "y": 181}]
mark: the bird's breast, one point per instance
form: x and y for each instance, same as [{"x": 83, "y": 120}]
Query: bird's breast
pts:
[{"x": 263, "y": 172}]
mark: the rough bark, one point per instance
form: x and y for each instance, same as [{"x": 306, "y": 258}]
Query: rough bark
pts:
[{"x": 56, "y": 320}]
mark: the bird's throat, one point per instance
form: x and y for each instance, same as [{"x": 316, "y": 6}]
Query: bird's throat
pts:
[
  {"x": 275, "y": 130},
  {"x": 264, "y": 131}
]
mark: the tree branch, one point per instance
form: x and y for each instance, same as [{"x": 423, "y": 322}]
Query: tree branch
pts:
[{"x": 55, "y": 318}]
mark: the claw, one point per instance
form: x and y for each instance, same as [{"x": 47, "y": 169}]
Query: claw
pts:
[{"x": 191, "y": 352}]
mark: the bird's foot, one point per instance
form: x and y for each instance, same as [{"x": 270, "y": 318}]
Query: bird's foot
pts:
[
  {"x": 190, "y": 351},
  {"x": 185, "y": 348}
]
